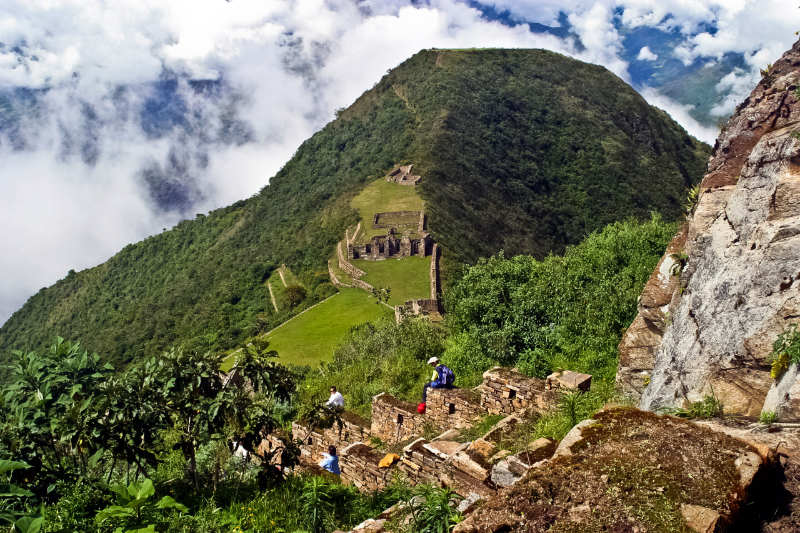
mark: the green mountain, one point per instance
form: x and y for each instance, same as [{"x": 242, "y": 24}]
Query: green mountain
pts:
[{"x": 522, "y": 150}]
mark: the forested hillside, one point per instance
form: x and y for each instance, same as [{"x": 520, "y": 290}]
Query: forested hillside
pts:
[{"x": 521, "y": 150}]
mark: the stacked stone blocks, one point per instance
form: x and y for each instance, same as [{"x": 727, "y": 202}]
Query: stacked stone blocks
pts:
[
  {"x": 453, "y": 408},
  {"x": 472, "y": 467},
  {"x": 394, "y": 420},
  {"x": 403, "y": 176}
]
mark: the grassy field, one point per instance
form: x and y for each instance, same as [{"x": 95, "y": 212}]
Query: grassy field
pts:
[
  {"x": 380, "y": 196},
  {"x": 311, "y": 337},
  {"x": 408, "y": 278}
]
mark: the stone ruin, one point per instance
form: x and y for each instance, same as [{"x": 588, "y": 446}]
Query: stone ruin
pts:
[
  {"x": 405, "y": 237},
  {"x": 393, "y": 245},
  {"x": 403, "y": 176},
  {"x": 505, "y": 391},
  {"x": 474, "y": 469},
  {"x": 424, "y": 306}
]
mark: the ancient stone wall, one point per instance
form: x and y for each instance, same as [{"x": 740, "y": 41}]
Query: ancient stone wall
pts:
[
  {"x": 350, "y": 239},
  {"x": 346, "y": 265},
  {"x": 464, "y": 467},
  {"x": 505, "y": 391},
  {"x": 444, "y": 463},
  {"x": 359, "y": 465},
  {"x": 453, "y": 408},
  {"x": 390, "y": 246},
  {"x": 315, "y": 442},
  {"x": 402, "y": 175},
  {"x": 434, "y": 273},
  {"x": 394, "y": 420},
  {"x": 397, "y": 219},
  {"x": 334, "y": 278}
]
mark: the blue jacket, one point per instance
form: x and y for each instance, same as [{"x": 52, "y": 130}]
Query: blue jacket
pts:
[{"x": 330, "y": 463}]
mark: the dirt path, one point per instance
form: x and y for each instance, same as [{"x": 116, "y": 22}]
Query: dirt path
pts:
[
  {"x": 280, "y": 273},
  {"x": 272, "y": 297}
]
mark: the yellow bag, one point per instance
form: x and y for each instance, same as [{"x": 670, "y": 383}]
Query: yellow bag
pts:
[{"x": 388, "y": 460}]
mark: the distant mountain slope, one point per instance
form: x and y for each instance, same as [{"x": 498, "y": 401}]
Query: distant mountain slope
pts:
[{"x": 524, "y": 150}]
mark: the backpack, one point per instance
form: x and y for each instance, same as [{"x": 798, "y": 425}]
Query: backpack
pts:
[{"x": 446, "y": 376}]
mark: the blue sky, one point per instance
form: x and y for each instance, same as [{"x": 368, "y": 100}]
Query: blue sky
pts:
[{"x": 118, "y": 119}]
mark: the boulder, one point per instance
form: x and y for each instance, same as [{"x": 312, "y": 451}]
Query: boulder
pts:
[
  {"x": 567, "y": 379},
  {"x": 637, "y": 471},
  {"x": 700, "y": 519}
]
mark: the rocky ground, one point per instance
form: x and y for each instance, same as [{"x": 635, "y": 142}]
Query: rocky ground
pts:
[
  {"x": 776, "y": 501},
  {"x": 635, "y": 471}
]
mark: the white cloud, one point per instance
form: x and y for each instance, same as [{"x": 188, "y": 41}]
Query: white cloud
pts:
[
  {"x": 645, "y": 54},
  {"x": 680, "y": 113}
]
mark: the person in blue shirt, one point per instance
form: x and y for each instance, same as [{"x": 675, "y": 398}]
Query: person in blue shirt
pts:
[
  {"x": 330, "y": 461},
  {"x": 442, "y": 378}
]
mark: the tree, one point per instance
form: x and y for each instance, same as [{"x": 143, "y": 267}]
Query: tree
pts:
[
  {"x": 53, "y": 412},
  {"x": 295, "y": 294}
]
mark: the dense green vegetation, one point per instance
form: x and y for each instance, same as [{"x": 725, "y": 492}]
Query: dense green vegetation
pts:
[
  {"x": 377, "y": 357},
  {"x": 521, "y": 150},
  {"x": 148, "y": 449},
  {"x": 560, "y": 312}
]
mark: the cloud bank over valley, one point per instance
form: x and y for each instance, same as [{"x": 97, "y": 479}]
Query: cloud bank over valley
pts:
[{"x": 120, "y": 119}]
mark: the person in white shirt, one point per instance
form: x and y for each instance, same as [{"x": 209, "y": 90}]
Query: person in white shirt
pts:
[{"x": 336, "y": 399}]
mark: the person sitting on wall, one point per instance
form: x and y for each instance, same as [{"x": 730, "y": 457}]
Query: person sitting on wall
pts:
[
  {"x": 336, "y": 400},
  {"x": 442, "y": 378},
  {"x": 330, "y": 461}
]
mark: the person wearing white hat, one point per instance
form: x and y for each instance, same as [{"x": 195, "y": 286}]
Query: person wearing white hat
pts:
[{"x": 442, "y": 378}]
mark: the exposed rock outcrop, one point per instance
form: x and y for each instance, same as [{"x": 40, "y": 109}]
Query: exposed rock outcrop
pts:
[
  {"x": 729, "y": 282},
  {"x": 629, "y": 470}
]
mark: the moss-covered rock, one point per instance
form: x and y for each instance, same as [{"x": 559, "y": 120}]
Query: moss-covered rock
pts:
[{"x": 629, "y": 470}]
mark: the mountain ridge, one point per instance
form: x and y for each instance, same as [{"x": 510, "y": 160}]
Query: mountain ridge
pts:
[{"x": 522, "y": 150}]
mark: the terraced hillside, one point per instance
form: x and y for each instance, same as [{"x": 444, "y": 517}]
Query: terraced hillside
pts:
[{"x": 521, "y": 150}]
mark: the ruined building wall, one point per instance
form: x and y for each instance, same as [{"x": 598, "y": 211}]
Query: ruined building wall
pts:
[
  {"x": 394, "y": 420},
  {"x": 315, "y": 442},
  {"x": 505, "y": 391},
  {"x": 434, "y": 272},
  {"x": 359, "y": 465},
  {"x": 453, "y": 408}
]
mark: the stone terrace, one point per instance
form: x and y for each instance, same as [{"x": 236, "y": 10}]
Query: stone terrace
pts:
[
  {"x": 476, "y": 467},
  {"x": 506, "y": 391}
]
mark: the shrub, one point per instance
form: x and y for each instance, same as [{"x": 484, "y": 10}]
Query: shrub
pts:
[
  {"x": 295, "y": 294},
  {"x": 768, "y": 417},
  {"x": 708, "y": 407},
  {"x": 377, "y": 357},
  {"x": 566, "y": 312},
  {"x": 785, "y": 351},
  {"x": 427, "y": 509}
]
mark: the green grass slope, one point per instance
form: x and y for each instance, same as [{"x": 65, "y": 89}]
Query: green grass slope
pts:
[
  {"x": 408, "y": 278},
  {"x": 311, "y": 337},
  {"x": 521, "y": 150}
]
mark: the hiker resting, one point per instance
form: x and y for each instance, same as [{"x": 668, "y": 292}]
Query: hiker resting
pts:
[
  {"x": 336, "y": 399},
  {"x": 442, "y": 378},
  {"x": 330, "y": 461}
]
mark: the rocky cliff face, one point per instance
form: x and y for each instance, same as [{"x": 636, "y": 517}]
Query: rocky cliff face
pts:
[{"x": 729, "y": 283}]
